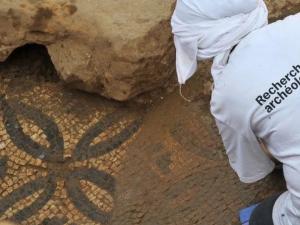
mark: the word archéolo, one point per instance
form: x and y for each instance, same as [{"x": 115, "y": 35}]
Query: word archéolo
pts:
[{"x": 280, "y": 91}]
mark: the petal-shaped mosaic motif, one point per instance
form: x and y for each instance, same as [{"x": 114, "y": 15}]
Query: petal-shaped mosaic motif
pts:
[
  {"x": 78, "y": 197},
  {"x": 24, "y": 142},
  {"x": 48, "y": 184}
]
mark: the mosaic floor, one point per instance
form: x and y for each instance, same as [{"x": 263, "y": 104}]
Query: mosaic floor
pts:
[
  {"x": 67, "y": 157},
  {"x": 54, "y": 160}
]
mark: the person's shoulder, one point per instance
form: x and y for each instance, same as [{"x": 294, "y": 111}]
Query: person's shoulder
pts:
[
  {"x": 263, "y": 43},
  {"x": 283, "y": 26}
]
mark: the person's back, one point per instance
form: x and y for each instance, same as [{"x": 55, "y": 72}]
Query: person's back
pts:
[
  {"x": 256, "y": 92},
  {"x": 258, "y": 96},
  {"x": 262, "y": 78}
]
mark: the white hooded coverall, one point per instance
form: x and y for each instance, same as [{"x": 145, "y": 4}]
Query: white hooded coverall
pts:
[{"x": 256, "y": 95}]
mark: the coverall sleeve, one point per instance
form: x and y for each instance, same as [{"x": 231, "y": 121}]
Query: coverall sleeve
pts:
[
  {"x": 245, "y": 155},
  {"x": 287, "y": 207}
]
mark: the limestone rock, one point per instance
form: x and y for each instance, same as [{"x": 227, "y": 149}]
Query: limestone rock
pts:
[{"x": 117, "y": 48}]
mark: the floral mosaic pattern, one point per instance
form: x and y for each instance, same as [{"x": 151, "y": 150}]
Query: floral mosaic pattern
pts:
[{"x": 57, "y": 166}]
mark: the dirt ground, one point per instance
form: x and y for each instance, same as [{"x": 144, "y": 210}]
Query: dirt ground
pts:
[{"x": 68, "y": 157}]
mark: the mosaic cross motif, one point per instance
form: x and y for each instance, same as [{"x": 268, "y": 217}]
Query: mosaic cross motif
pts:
[{"x": 57, "y": 165}]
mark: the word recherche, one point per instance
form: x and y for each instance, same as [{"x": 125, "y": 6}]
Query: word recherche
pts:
[{"x": 279, "y": 91}]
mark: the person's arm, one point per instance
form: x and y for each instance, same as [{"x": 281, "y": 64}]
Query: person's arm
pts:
[{"x": 245, "y": 155}]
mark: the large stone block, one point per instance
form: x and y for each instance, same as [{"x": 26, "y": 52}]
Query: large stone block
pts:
[{"x": 117, "y": 48}]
